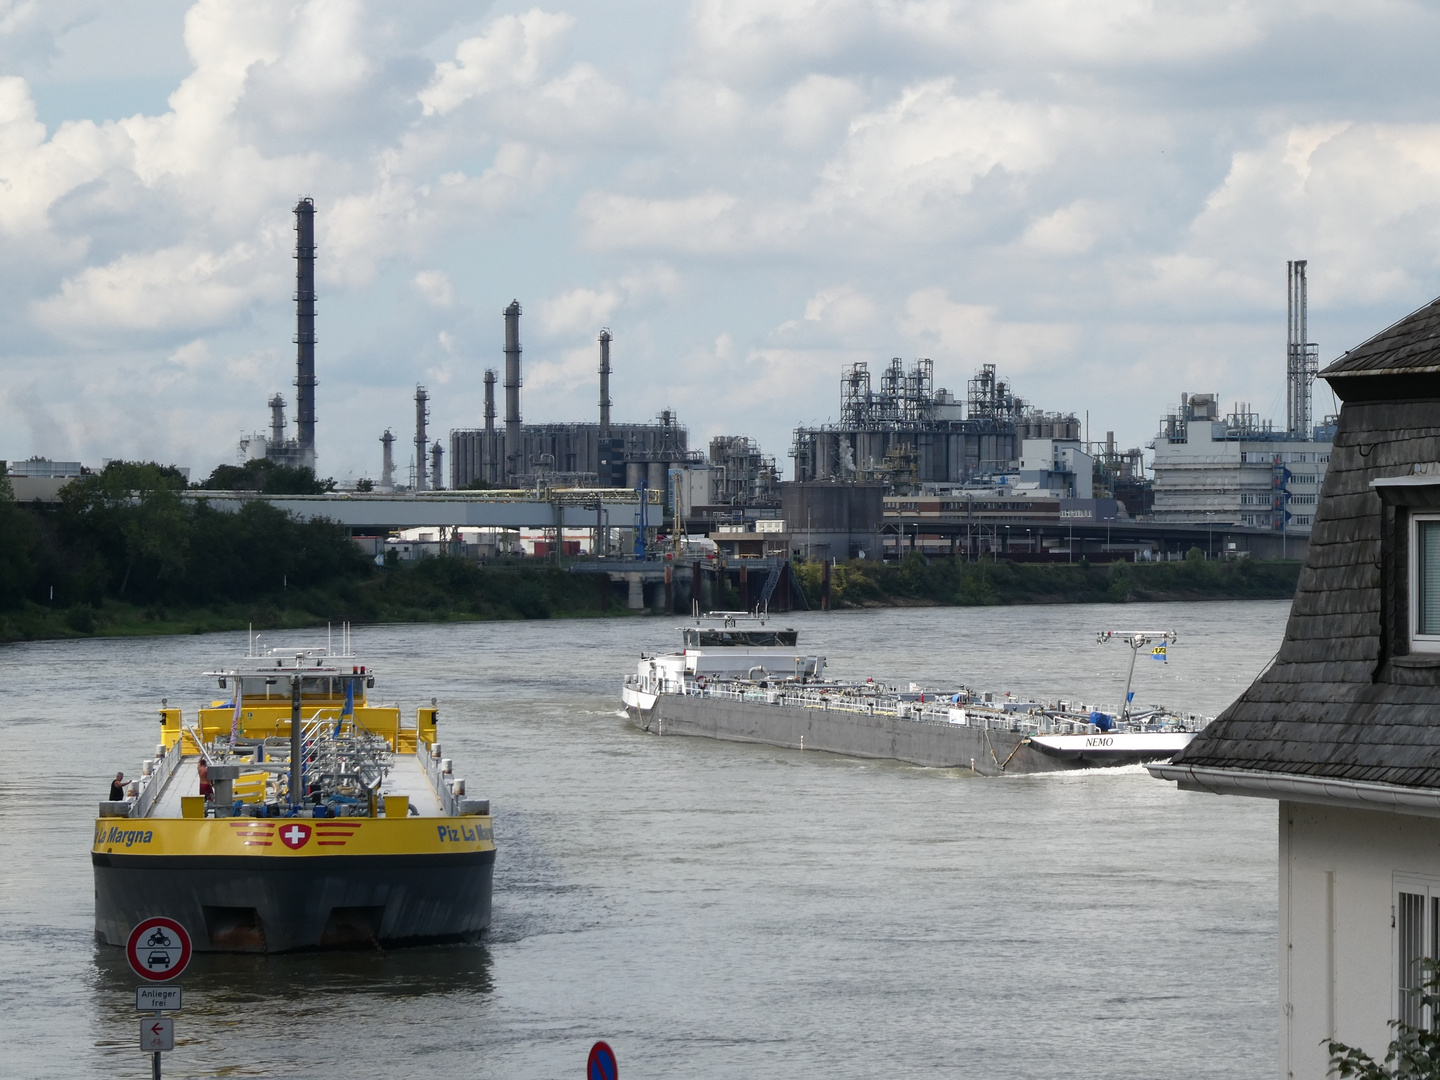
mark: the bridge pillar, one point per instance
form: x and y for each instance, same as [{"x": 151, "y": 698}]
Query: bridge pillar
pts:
[{"x": 637, "y": 592}]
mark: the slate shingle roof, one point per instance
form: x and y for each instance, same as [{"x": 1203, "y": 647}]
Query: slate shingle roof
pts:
[
  {"x": 1410, "y": 346},
  {"x": 1338, "y": 702}
]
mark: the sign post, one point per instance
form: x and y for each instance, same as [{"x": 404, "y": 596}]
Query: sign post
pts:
[{"x": 158, "y": 950}]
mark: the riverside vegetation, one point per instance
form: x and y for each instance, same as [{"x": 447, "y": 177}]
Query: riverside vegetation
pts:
[
  {"x": 916, "y": 580},
  {"x": 124, "y": 553}
]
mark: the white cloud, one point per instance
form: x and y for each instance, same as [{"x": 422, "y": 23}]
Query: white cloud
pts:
[
  {"x": 1103, "y": 193},
  {"x": 435, "y": 287},
  {"x": 975, "y": 334},
  {"x": 514, "y": 51}
]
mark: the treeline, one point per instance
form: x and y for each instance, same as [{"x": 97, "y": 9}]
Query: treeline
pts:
[
  {"x": 124, "y": 552},
  {"x": 914, "y": 580}
]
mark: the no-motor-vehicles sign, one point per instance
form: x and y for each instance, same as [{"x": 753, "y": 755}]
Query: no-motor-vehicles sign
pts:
[{"x": 158, "y": 949}]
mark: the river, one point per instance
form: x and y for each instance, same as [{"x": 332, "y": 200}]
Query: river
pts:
[{"x": 711, "y": 909}]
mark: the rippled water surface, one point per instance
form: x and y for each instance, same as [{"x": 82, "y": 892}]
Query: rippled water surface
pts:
[{"x": 711, "y": 909}]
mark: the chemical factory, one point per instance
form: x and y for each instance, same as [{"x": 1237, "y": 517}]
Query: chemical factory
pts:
[{"x": 906, "y": 467}]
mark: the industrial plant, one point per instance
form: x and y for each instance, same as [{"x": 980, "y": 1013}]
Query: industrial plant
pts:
[
  {"x": 1239, "y": 468},
  {"x": 907, "y": 433},
  {"x": 907, "y": 466}
]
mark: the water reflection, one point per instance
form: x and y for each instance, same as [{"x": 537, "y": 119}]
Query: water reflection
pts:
[{"x": 215, "y": 979}]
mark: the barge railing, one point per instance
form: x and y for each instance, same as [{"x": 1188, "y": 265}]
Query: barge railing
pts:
[{"x": 939, "y": 712}]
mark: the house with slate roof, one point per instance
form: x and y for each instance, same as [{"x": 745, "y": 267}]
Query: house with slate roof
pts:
[{"x": 1343, "y": 729}]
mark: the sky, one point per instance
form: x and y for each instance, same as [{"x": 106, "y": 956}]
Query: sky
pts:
[{"x": 1097, "y": 196}]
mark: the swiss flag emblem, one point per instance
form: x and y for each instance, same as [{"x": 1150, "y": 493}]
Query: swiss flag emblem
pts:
[{"x": 295, "y": 836}]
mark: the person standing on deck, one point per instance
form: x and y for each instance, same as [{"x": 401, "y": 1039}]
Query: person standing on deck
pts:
[
  {"x": 203, "y": 769},
  {"x": 117, "y": 787}
]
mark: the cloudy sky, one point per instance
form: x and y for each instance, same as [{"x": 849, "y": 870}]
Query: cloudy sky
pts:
[{"x": 1099, "y": 197}]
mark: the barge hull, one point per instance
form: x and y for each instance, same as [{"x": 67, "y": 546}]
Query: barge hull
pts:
[
  {"x": 279, "y": 904},
  {"x": 987, "y": 752}
]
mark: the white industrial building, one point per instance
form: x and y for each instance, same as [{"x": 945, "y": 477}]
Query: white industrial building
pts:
[{"x": 1236, "y": 469}]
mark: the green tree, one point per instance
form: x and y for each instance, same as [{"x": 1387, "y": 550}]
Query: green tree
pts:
[
  {"x": 132, "y": 512},
  {"x": 268, "y": 478},
  {"x": 1414, "y": 1053}
]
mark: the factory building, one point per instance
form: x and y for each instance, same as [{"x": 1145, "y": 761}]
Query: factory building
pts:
[
  {"x": 1239, "y": 469},
  {"x": 906, "y": 433},
  {"x": 602, "y": 454}
]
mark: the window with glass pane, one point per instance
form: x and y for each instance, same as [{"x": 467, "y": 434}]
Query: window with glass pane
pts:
[
  {"x": 1427, "y": 577},
  {"x": 1410, "y": 931}
]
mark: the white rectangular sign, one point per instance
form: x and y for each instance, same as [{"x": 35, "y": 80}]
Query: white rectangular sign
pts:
[
  {"x": 157, "y": 1033},
  {"x": 157, "y": 998}
]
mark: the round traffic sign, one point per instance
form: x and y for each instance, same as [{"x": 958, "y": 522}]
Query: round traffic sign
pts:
[
  {"x": 158, "y": 949},
  {"x": 601, "y": 1065}
]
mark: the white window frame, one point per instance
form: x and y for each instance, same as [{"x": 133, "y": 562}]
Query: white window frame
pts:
[
  {"x": 1429, "y": 889},
  {"x": 1429, "y": 643}
]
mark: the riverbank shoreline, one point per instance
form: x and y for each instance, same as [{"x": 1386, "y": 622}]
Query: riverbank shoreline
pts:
[{"x": 452, "y": 590}]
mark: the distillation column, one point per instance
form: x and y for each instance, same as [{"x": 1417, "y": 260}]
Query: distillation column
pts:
[
  {"x": 605, "y": 383},
  {"x": 387, "y": 461},
  {"x": 305, "y": 330},
  {"x": 514, "y": 465},
  {"x": 277, "y": 421},
  {"x": 422, "y": 442},
  {"x": 490, "y": 455},
  {"x": 437, "y": 466}
]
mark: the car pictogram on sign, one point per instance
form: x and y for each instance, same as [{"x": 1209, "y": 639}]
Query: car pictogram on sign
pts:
[{"x": 295, "y": 836}]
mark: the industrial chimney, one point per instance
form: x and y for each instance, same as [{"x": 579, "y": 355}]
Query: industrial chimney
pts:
[
  {"x": 514, "y": 465},
  {"x": 387, "y": 461},
  {"x": 305, "y": 330},
  {"x": 1302, "y": 360},
  {"x": 605, "y": 383},
  {"x": 422, "y": 443},
  {"x": 437, "y": 466}
]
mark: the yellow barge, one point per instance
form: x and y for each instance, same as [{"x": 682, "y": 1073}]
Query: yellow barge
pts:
[{"x": 296, "y": 815}]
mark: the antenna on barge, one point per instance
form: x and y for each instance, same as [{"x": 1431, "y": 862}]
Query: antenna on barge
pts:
[{"x": 1136, "y": 639}]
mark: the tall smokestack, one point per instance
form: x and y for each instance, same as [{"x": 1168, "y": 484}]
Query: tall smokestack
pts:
[
  {"x": 489, "y": 401},
  {"x": 305, "y": 330},
  {"x": 422, "y": 442},
  {"x": 513, "y": 465},
  {"x": 1302, "y": 358},
  {"x": 605, "y": 383},
  {"x": 387, "y": 461}
]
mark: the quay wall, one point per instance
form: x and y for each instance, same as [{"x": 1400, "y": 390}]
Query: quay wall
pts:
[{"x": 941, "y": 746}]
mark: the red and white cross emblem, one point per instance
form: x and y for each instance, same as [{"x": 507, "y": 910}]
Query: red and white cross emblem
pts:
[{"x": 295, "y": 836}]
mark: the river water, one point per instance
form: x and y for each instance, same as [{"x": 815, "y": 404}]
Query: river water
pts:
[{"x": 711, "y": 909}]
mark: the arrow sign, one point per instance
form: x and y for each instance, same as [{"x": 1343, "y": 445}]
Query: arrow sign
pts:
[
  {"x": 158, "y": 949},
  {"x": 157, "y": 1034},
  {"x": 601, "y": 1065}
]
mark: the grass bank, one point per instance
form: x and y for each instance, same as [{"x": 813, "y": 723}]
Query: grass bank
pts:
[{"x": 953, "y": 582}]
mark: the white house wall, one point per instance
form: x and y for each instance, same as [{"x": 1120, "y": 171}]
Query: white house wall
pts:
[{"x": 1336, "y": 963}]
